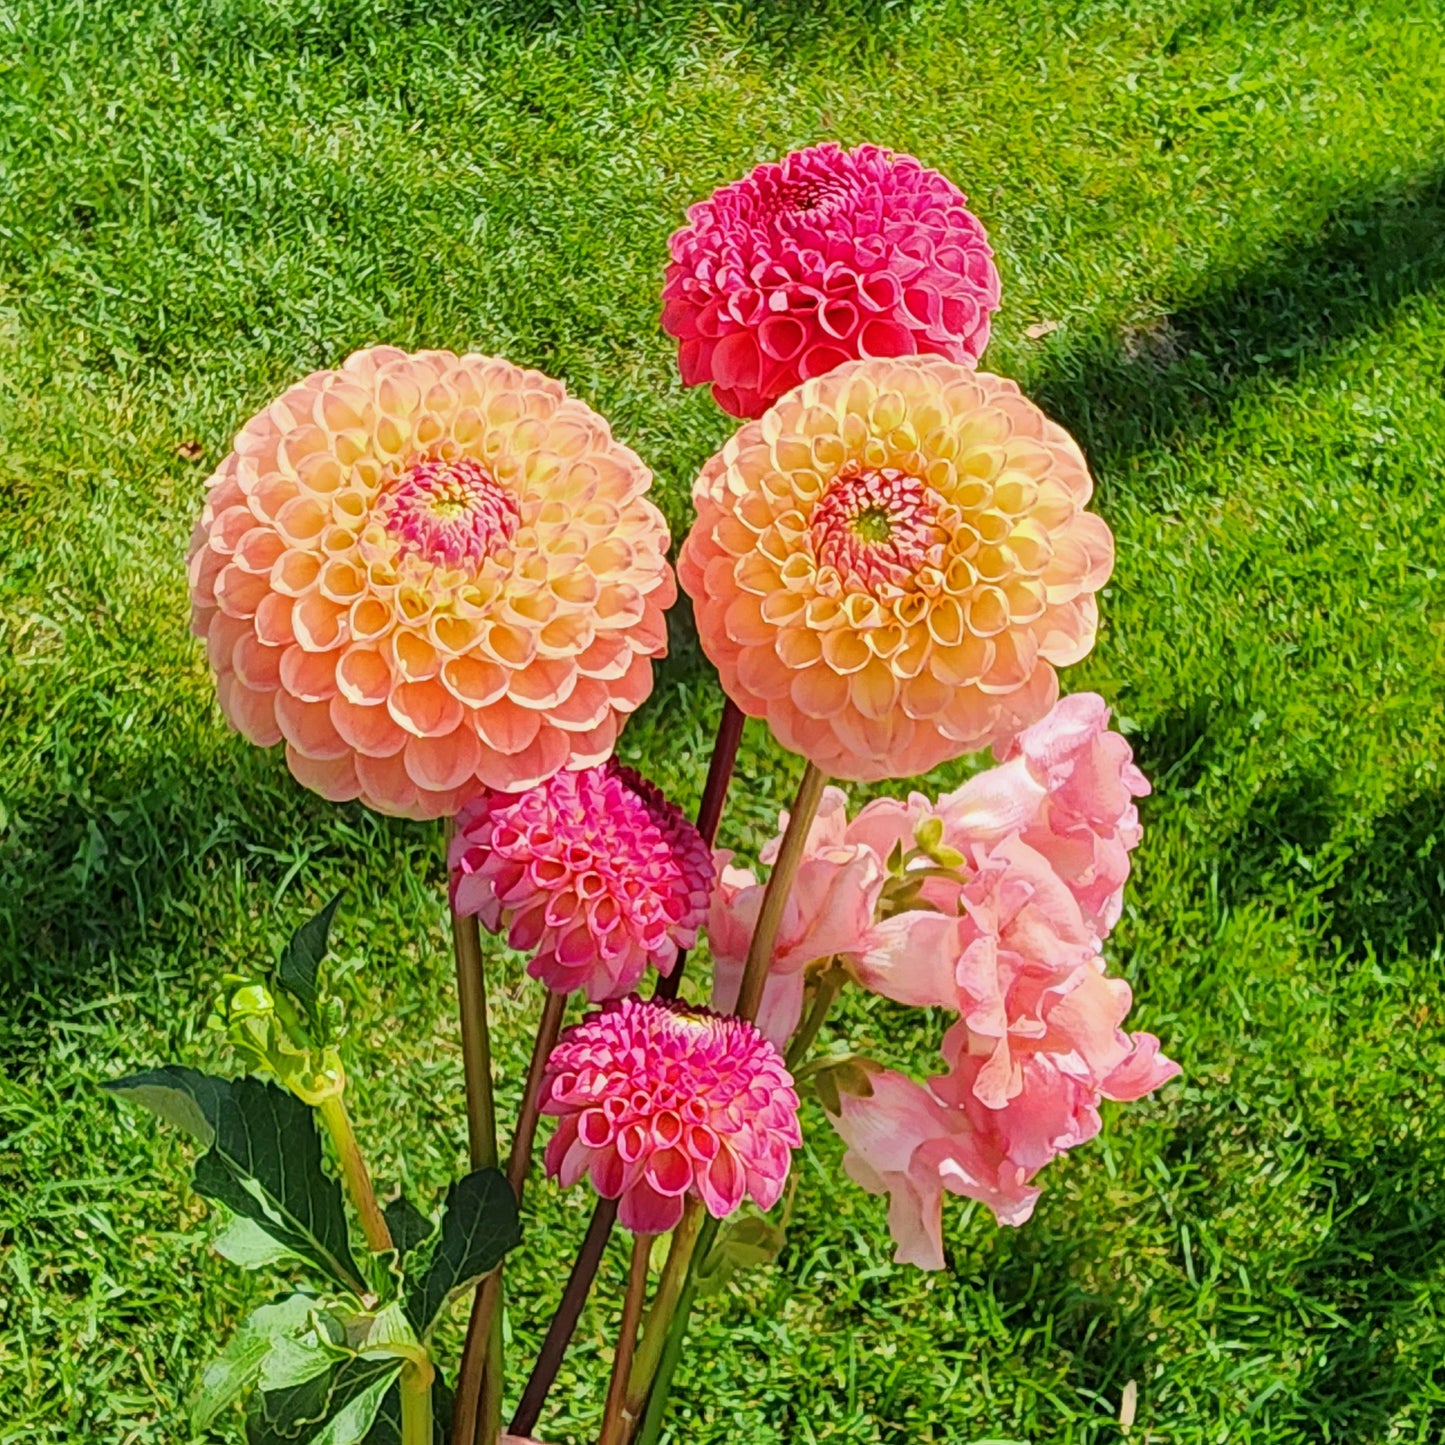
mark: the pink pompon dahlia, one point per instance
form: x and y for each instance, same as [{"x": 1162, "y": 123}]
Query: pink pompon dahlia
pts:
[
  {"x": 428, "y": 574},
  {"x": 658, "y": 1101},
  {"x": 891, "y": 563},
  {"x": 594, "y": 873},
  {"x": 825, "y": 257}
]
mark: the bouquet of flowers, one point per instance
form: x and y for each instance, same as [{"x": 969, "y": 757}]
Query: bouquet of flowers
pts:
[{"x": 438, "y": 580}]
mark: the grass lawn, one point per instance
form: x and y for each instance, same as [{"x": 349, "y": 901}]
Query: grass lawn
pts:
[{"x": 1234, "y": 213}]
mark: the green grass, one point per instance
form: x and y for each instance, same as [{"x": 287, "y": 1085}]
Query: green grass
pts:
[{"x": 1236, "y": 212}]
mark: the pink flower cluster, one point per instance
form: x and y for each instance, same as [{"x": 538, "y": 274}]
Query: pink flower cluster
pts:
[
  {"x": 658, "y": 1101},
  {"x": 825, "y": 257},
  {"x": 1005, "y": 933},
  {"x": 592, "y": 872}
]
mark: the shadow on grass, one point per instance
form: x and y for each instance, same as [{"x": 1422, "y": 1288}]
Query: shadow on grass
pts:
[
  {"x": 1387, "y": 1240},
  {"x": 655, "y": 31},
  {"x": 1123, "y": 395},
  {"x": 152, "y": 864},
  {"x": 1378, "y": 884}
]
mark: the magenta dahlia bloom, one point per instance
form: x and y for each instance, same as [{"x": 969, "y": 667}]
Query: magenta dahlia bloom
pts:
[
  {"x": 825, "y": 257},
  {"x": 659, "y": 1100},
  {"x": 594, "y": 873}
]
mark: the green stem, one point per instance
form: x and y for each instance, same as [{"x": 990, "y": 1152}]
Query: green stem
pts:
[
  {"x": 415, "y": 1388},
  {"x": 354, "y": 1172},
  {"x": 825, "y": 993},
  {"x": 664, "y": 1305},
  {"x": 478, "y": 1400},
  {"x": 780, "y": 885},
  {"x": 676, "y": 1337}
]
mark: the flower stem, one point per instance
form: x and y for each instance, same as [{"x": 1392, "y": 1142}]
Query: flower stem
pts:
[
  {"x": 780, "y": 885},
  {"x": 604, "y": 1215},
  {"x": 825, "y": 994},
  {"x": 415, "y": 1389},
  {"x": 829, "y": 985},
  {"x": 478, "y": 1400},
  {"x": 664, "y": 1305},
  {"x": 559, "y": 1332},
  {"x": 616, "y": 1424},
  {"x": 526, "y": 1134},
  {"x": 354, "y": 1172},
  {"x": 676, "y": 1336}
]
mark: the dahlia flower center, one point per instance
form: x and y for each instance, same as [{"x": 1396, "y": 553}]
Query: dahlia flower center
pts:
[
  {"x": 877, "y": 526},
  {"x": 452, "y": 513}
]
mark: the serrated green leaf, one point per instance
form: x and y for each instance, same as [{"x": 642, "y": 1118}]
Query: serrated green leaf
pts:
[
  {"x": 300, "y": 961},
  {"x": 184, "y": 1097},
  {"x": 297, "y": 1359},
  {"x": 333, "y": 1408},
  {"x": 264, "y": 1161},
  {"x": 246, "y": 1244},
  {"x": 479, "y": 1225},
  {"x": 408, "y": 1225},
  {"x": 238, "y": 1367}
]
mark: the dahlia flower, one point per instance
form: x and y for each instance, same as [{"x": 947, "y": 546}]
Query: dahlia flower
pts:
[
  {"x": 427, "y": 574},
  {"x": 825, "y": 257},
  {"x": 658, "y": 1101},
  {"x": 904, "y": 1142},
  {"x": 592, "y": 872},
  {"x": 889, "y": 565}
]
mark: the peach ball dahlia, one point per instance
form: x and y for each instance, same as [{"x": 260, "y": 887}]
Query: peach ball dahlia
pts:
[
  {"x": 891, "y": 562},
  {"x": 427, "y": 574}
]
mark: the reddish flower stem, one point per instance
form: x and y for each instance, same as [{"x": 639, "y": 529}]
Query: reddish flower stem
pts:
[
  {"x": 616, "y": 1423},
  {"x": 526, "y": 1135},
  {"x": 584, "y": 1270}
]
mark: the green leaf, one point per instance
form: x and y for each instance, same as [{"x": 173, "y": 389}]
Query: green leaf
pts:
[
  {"x": 264, "y": 1162},
  {"x": 333, "y": 1408},
  {"x": 747, "y": 1241},
  {"x": 191, "y": 1101},
  {"x": 479, "y": 1225},
  {"x": 301, "y": 959},
  {"x": 299, "y": 1360},
  {"x": 237, "y": 1368},
  {"x": 408, "y": 1225},
  {"x": 245, "y": 1243}
]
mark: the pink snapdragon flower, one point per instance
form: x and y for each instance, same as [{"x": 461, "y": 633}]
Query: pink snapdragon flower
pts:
[
  {"x": 658, "y": 1101},
  {"x": 914, "y": 1142},
  {"x": 824, "y": 257},
  {"x": 594, "y": 873},
  {"x": 1065, "y": 786},
  {"x": 830, "y": 912},
  {"x": 904, "y": 1142}
]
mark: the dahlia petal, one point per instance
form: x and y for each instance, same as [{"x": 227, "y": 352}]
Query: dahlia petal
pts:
[
  {"x": 645, "y": 1211},
  {"x": 334, "y": 779},
  {"x": 438, "y": 764},
  {"x": 387, "y": 781},
  {"x": 251, "y": 712},
  {"x": 308, "y": 728}
]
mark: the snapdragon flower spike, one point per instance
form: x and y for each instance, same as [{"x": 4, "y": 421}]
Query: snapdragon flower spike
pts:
[
  {"x": 659, "y": 1100},
  {"x": 593, "y": 873}
]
